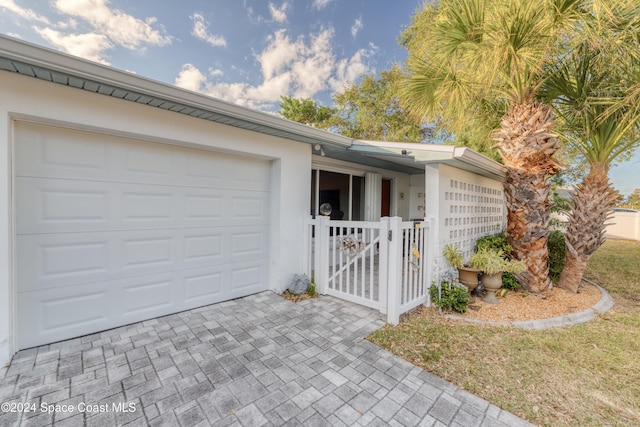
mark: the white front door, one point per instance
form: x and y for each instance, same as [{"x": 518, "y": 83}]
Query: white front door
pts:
[{"x": 113, "y": 230}]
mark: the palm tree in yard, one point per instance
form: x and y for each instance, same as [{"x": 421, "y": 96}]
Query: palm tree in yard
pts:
[
  {"x": 591, "y": 98},
  {"x": 482, "y": 63}
]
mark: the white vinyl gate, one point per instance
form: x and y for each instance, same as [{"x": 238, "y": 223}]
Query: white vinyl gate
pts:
[{"x": 386, "y": 265}]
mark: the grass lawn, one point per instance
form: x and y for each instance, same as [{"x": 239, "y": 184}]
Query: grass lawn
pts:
[{"x": 587, "y": 375}]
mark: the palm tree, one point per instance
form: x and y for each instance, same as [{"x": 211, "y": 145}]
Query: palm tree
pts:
[
  {"x": 484, "y": 63},
  {"x": 597, "y": 119}
]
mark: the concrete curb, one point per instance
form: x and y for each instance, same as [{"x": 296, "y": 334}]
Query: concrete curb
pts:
[{"x": 601, "y": 307}]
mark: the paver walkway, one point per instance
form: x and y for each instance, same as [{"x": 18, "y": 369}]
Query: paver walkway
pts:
[{"x": 259, "y": 360}]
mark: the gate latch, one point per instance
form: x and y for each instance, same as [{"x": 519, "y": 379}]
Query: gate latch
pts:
[{"x": 389, "y": 235}]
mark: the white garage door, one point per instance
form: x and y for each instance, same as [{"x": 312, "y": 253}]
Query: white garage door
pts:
[{"x": 113, "y": 230}]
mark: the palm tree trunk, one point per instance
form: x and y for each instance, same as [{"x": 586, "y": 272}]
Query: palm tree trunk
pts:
[
  {"x": 527, "y": 146},
  {"x": 592, "y": 203},
  {"x": 527, "y": 200}
]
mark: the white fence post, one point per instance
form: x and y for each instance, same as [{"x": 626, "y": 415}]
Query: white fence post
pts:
[
  {"x": 322, "y": 254},
  {"x": 394, "y": 282},
  {"x": 434, "y": 252},
  {"x": 383, "y": 269},
  {"x": 307, "y": 264},
  {"x": 431, "y": 248}
]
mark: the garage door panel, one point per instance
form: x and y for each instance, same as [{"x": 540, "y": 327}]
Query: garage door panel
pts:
[
  {"x": 203, "y": 207},
  {"x": 112, "y": 230},
  {"x": 46, "y": 150},
  {"x": 82, "y": 309},
  {"x": 203, "y": 247},
  {"x": 72, "y": 154},
  {"x": 55, "y": 260},
  {"x": 54, "y": 315},
  {"x": 250, "y": 174},
  {"x": 204, "y": 286},
  {"x": 67, "y": 206},
  {"x": 144, "y": 160},
  {"x": 248, "y": 207},
  {"x": 50, "y": 261},
  {"x": 246, "y": 244},
  {"x": 148, "y": 253},
  {"x": 147, "y": 296},
  {"x": 62, "y": 205},
  {"x": 247, "y": 277},
  {"x": 141, "y": 205},
  {"x": 225, "y": 171}
]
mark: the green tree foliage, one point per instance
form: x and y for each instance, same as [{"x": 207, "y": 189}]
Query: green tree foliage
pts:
[
  {"x": 305, "y": 111},
  {"x": 371, "y": 109},
  {"x": 633, "y": 201},
  {"x": 367, "y": 109}
]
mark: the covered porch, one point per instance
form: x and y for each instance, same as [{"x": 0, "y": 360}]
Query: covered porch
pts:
[{"x": 381, "y": 213}]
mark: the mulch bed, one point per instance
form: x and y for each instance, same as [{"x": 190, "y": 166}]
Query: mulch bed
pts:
[
  {"x": 295, "y": 298},
  {"x": 520, "y": 306}
]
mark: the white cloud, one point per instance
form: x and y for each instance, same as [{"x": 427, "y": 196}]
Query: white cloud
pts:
[
  {"x": 321, "y": 4},
  {"x": 349, "y": 69},
  {"x": 89, "y": 46},
  {"x": 190, "y": 78},
  {"x": 300, "y": 68},
  {"x": 119, "y": 27},
  {"x": 27, "y": 14},
  {"x": 279, "y": 15},
  {"x": 356, "y": 27},
  {"x": 200, "y": 30}
]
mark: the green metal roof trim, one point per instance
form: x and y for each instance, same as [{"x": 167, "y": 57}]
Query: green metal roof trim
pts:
[{"x": 38, "y": 62}]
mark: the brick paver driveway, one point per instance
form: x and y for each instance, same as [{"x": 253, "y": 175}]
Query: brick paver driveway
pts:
[{"x": 259, "y": 360}]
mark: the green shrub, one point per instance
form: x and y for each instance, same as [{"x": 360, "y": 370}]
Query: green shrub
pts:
[
  {"x": 509, "y": 281},
  {"x": 494, "y": 241},
  {"x": 556, "y": 255},
  {"x": 452, "y": 297},
  {"x": 311, "y": 289},
  {"x": 493, "y": 261},
  {"x": 499, "y": 242},
  {"x": 454, "y": 256}
]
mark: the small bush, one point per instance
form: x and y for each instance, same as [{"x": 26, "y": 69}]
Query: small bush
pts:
[
  {"x": 311, "y": 290},
  {"x": 556, "y": 255},
  {"x": 452, "y": 297},
  {"x": 509, "y": 281},
  {"x": 494, "y": 241}
]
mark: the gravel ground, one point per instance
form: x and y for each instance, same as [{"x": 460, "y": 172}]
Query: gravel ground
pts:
[{"x": 518, "y": 306}]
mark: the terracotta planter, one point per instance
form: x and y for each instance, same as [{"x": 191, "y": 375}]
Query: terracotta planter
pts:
[
  {"x": 468, "y": 276},
  {"x": 491, "y": 282}
]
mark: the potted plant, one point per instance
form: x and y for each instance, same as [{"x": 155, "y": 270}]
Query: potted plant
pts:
[
  {"x": 493, "y": 263},
  {"x": 467, "y": 275}
]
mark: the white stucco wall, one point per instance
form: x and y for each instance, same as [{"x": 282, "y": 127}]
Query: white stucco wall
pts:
[{"x": 27, "y": 98}]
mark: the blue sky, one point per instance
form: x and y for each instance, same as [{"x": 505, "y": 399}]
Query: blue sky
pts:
[{"x": 244, "y": 51}]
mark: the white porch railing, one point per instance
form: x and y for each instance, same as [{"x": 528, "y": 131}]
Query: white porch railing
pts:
[{"x": 385, "y": 265}]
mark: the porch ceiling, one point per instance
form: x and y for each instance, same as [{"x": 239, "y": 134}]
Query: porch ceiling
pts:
[{"x": 417, "y": 155}]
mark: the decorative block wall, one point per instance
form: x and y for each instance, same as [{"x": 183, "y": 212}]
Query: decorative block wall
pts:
[{"x": 471, "y": 206}]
